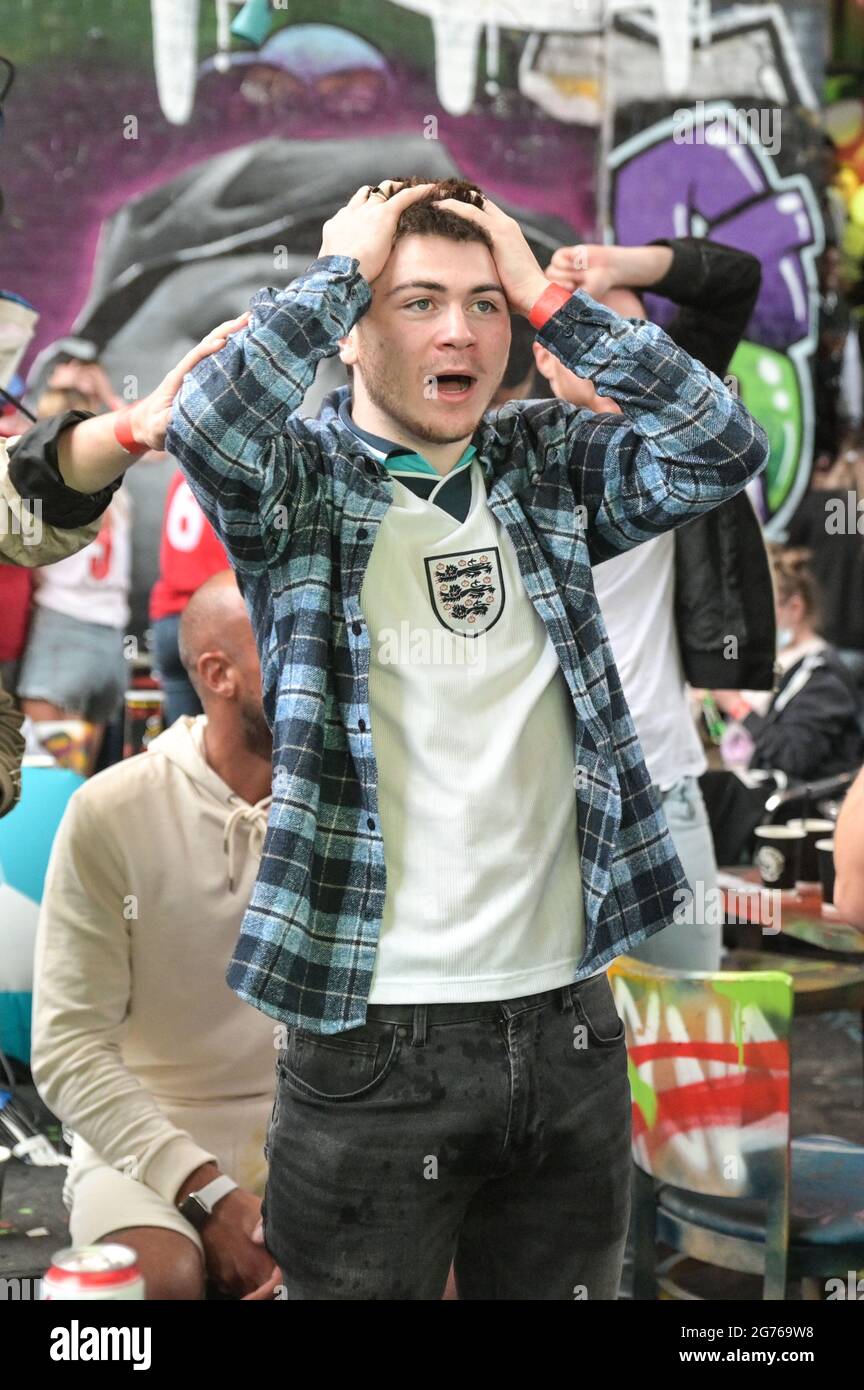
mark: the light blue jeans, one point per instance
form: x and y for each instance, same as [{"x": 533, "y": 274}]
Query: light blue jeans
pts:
[
  {"x": 78, "y": 666},
  {"x": 180, "y": 697},
  {"x": 693, "y": 944}
]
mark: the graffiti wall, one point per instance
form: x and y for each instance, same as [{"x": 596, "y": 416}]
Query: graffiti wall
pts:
[
  {"x": 733, "y": 153},
  {"x": 158, "y": 169}
]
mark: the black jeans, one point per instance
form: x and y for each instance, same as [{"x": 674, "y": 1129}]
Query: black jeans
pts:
[{"x": 493, "y": 1134}]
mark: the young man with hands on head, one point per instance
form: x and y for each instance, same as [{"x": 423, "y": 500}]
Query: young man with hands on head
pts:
[{"x": 456, "y": 849}]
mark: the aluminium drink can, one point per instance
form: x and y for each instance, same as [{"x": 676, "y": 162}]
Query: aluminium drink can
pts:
[
  {"x": 93, "y": 1271},
  {"x": 142, "y": 720}
]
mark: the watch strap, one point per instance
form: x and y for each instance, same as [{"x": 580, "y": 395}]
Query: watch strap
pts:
[{"x": 197, "y": 1206}]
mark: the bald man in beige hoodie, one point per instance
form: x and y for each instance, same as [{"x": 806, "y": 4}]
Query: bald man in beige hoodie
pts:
[{"x": 139, "y": 1046}]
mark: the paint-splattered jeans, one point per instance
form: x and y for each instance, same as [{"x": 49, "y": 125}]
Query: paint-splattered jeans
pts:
[{"x": 494, "y": 1135}]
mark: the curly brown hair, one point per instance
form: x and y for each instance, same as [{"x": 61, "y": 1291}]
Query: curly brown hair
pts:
[{"x": 424, "y": 219}]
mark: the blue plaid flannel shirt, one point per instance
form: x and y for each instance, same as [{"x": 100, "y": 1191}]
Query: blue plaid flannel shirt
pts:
[{"x": 297, "y": 503}]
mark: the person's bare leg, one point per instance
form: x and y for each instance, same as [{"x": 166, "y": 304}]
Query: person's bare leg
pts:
[
  {"x": 170, "y": 1262},
  {"x": 43, "y": 709}
]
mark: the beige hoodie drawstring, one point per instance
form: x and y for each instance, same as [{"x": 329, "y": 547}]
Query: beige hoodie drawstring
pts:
[{"x": 256, "y": 818}]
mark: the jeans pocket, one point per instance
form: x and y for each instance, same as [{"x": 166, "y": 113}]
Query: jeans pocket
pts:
[
  {"x": 594, "y": 1003},
  {"x": 339, "y": 1066}
]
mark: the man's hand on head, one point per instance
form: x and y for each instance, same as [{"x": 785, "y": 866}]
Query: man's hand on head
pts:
[
  {"x": 364, "y": 228},
  {"x": 521, "y": 277},
  {"x": 149, "y": 417},
  {"x": 93, "y": 453},
  {"x": 88, "y": 379}
]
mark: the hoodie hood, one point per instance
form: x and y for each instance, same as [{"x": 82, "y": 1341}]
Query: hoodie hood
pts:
[{"x": 182, "y": 743}]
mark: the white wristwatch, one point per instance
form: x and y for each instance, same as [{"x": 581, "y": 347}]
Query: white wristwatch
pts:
[{"x": 197, "y": 1206}]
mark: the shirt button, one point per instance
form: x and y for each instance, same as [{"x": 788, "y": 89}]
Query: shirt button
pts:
[
  {"x": 371, "y": 824},
  {"x": 362, "y": 534},
  {"x": 361, "y": 725},
  {"x": 535, "y": 478},
  {"x": 356, "y": 628}
]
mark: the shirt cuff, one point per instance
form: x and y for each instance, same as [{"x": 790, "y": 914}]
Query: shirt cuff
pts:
[
  {"x": 173, "y": 1164},
  {"x": 685, "y": 272},
  {"x": 340, "y": 265},
  {"x": 34, "y": 470},
  {"x": 348, "y": 293},
  {"x": 347, "y": 269}
]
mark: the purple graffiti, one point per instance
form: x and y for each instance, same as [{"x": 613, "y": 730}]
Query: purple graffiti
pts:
[{"x": 726, "y": 193}]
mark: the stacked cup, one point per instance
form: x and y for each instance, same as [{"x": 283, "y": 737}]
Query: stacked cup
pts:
[
  {"x": 778, "y": 855},
  {"x": 814, "y": 832}
]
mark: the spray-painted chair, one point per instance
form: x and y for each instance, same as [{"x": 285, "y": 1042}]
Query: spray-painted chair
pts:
[{"x": 716, "y": 1178}]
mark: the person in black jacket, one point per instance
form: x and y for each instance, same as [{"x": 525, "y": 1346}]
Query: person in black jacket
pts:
[
  {"x": 812, "y": 725},
  {"x": 696, "y": 605}
]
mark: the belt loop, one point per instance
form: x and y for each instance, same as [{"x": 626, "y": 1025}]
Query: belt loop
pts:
[
  {"x": 418, "y": 1034},
  {"x": 565, "y": 999}
]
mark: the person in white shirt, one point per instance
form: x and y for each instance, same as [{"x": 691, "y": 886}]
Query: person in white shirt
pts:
[
  {"x": 139, "y": 1046},
  {"x": 636, "y": 594},
  {"x": 74, "y": 665}
]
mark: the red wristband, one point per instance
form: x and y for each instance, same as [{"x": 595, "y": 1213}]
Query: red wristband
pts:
[
  {"x": 740, "y": 711},
  {"x": 549, "y": 303},
  {"x": 124, "y": 436}
]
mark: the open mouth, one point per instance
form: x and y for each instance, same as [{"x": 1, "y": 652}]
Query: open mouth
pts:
[{"x": 454, "y": 385}]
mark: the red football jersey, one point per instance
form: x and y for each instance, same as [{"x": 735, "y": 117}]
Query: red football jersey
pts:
[
  {"x": 189, "y": 553},
  {"x": 16, "y": 584}
]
